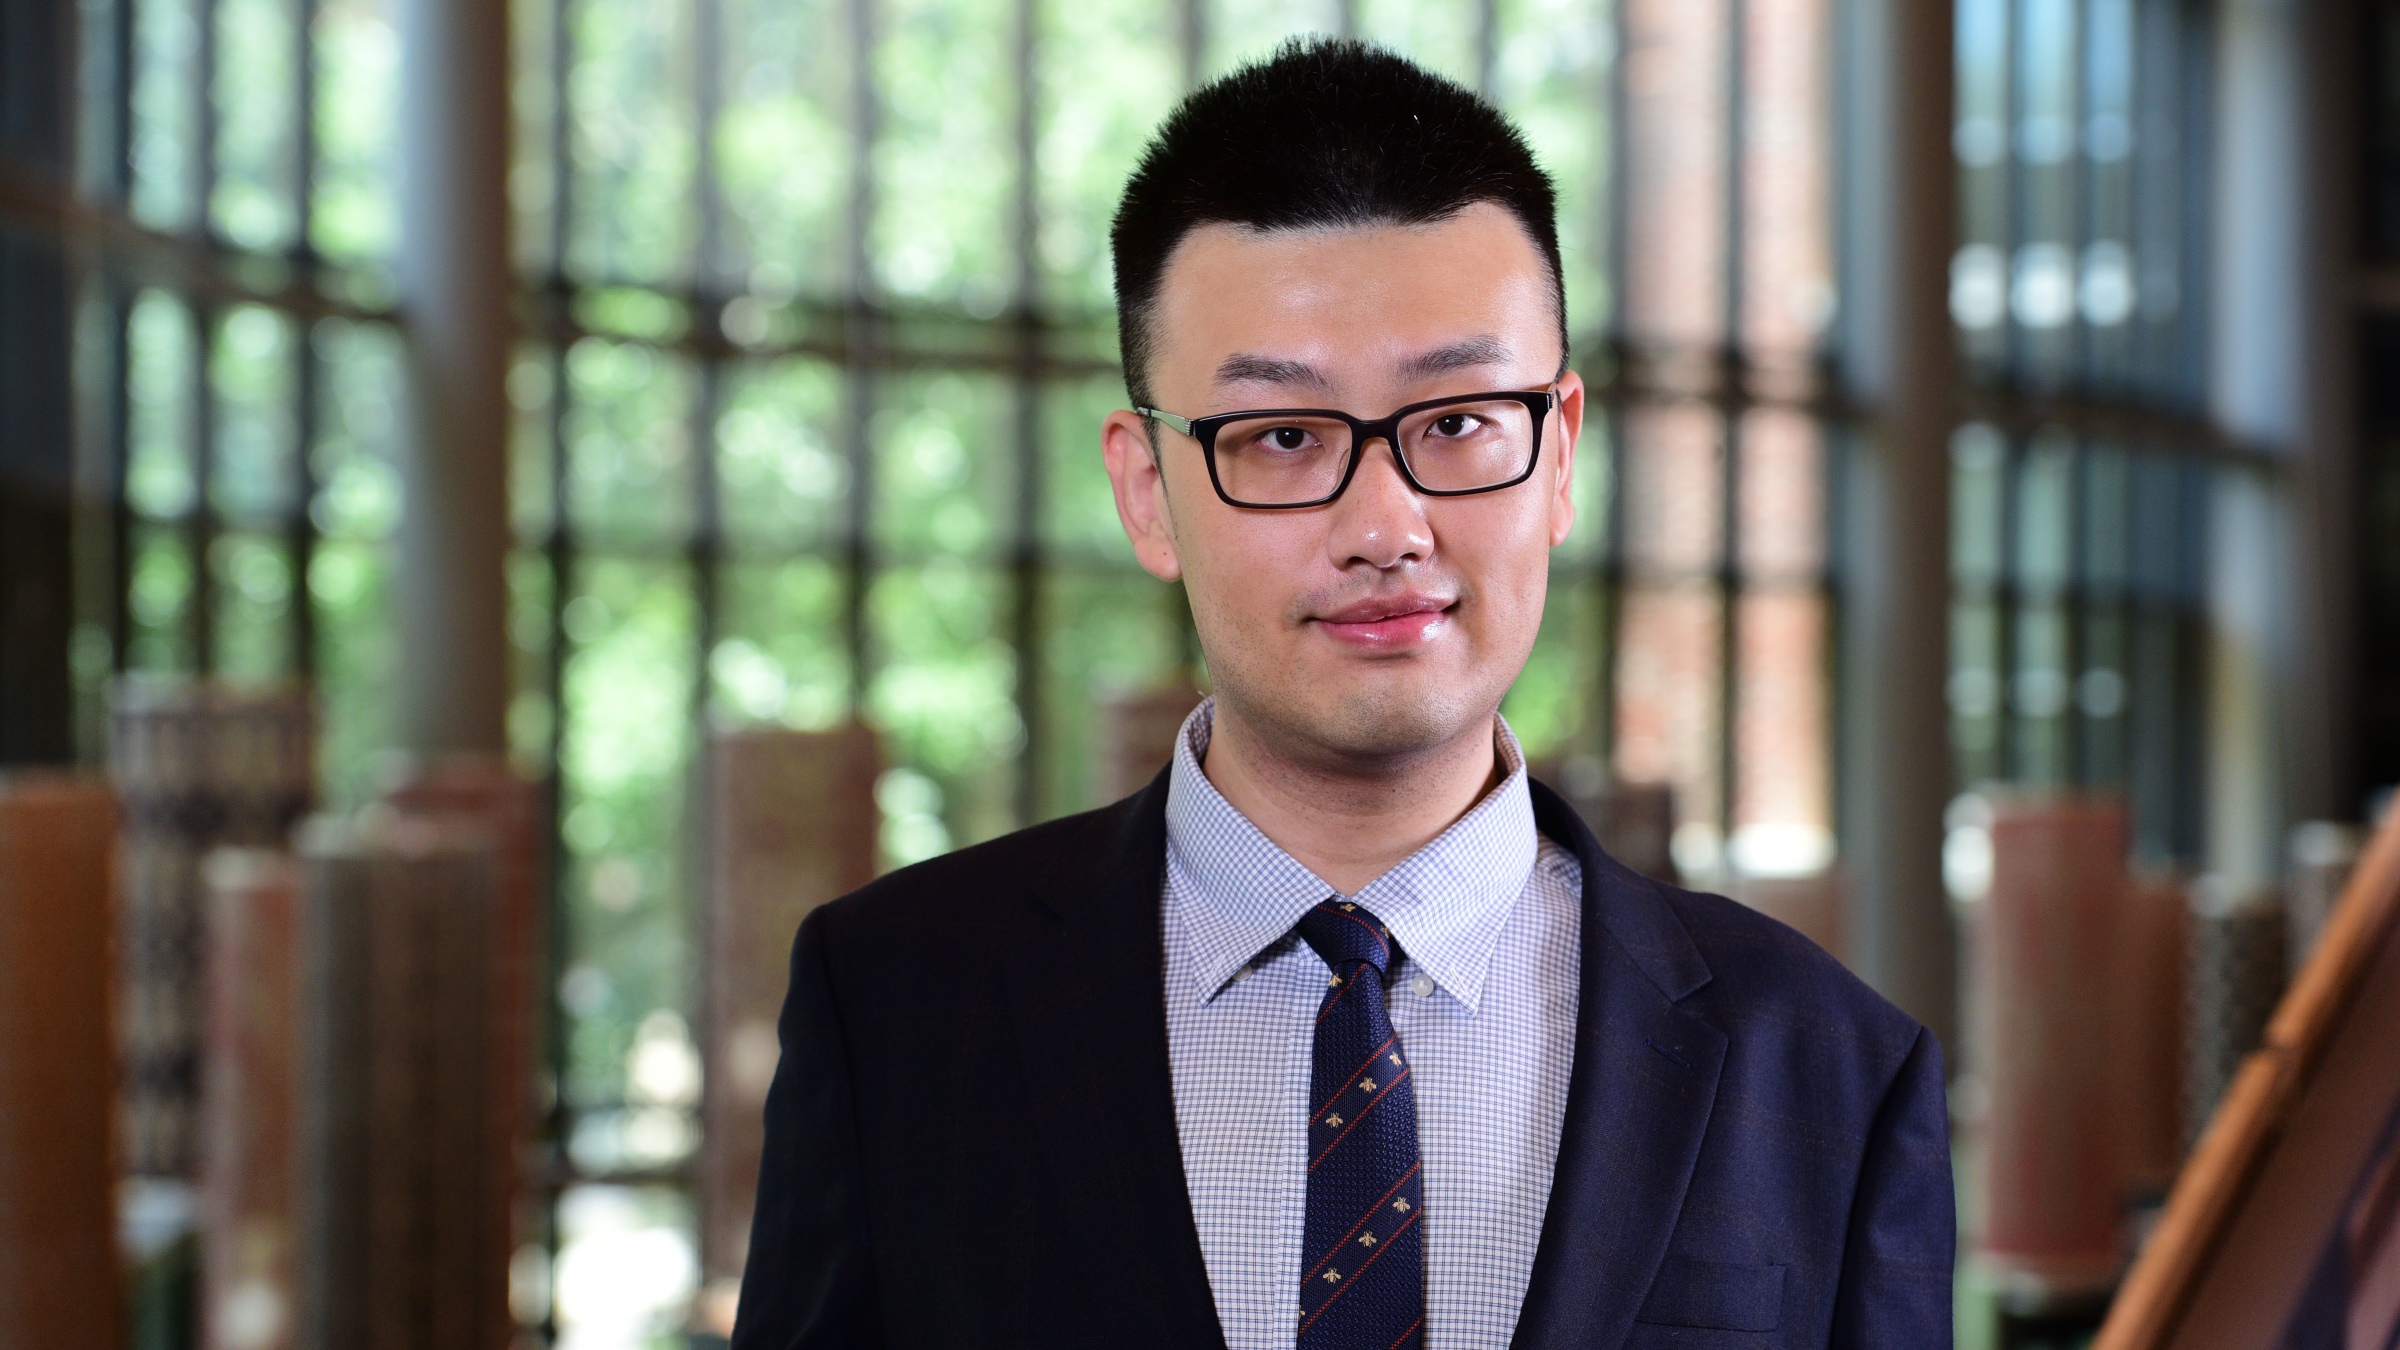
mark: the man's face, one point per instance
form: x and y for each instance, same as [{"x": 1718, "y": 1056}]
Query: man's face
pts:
[{"x": 1384, "y": 623}]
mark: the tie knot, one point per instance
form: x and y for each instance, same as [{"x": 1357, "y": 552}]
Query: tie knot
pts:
[{"x": 1345, "y": 934}]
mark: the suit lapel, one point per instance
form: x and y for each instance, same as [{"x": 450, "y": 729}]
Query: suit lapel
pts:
[
  {"x": 1638, "y": 1104},
  {"x": 1086, "y": 994}
]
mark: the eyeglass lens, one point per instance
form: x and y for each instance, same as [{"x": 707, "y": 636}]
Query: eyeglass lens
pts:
[{"x": 1456, "y": 447}]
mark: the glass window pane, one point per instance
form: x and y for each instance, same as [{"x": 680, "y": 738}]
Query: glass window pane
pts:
[
  {"x": 532, "y": 476},
  {"x": 1782, "y": 524},
  {"x": 1674, "y": 171},
  {"x": 252, "y": 575},
  {"x": 628, "y": 1265},
  {"x": 945, "y": 162},
  {"x": 1242, "y": 31},
  {"x": 533, "y": 615},
  {"x": 783, "y": 481},
  {"x": 166, "y": 105},
  {"x": 1674, "y": 490},
  {"x": 1553, "y": 68},
  {"x": 943, "y": 695},
  {"x": 1552, "y": 705},
  {"x": 631, "y": 630},
  {"x": 2045, "y": 516},
  {"x": 631, "y": 154},
  {"x": 1104, "y": 633},
  {"x": 1110, "y": 70},
  {"x": 161, "y": 391},
  {"x": 1975, "y": 691},
  {"x": 356, "y": 455},
  {"x": 782, "y": 145},
  {"x": 350, "y": 586},
  {"x": 1079, "y": 508},
  {"x": 1787, "y": 247},
  {"x": 945, "y": 466},
  {"x": 355, "y": 215},
  {"x": 1978, "y": 484},
  {"x": 256, "y": 379},
  {"x": 255, "y": 200},
  {"x": 1670, "y": 708},
  {"x": 1588, "y": 544},
  {"x": 781, "y": 654},
  {"x": 1437, "y": 34},
  {"x": 1783, "y": 796},
  {"x": 158, "y": 599},
  {"x": 629, "y": 474}
]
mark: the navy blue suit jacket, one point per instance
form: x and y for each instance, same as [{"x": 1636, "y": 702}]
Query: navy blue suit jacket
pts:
[{"x": 971, "y": 1136}]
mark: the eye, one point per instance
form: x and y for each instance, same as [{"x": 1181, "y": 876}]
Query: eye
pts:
[
  {"x": 1285, "y": 438},
  {"x": 1453, "y": 424}
]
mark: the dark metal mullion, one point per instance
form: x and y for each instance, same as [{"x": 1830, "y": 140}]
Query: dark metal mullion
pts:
[
  {"x": 1028, "y": 561},
  {"x": 1192, "y": 35},
  {"x": 300, "y": 524},
  {"x": 558, "y": 551},
  {"x": 710, "y": 272},
  {"x": 862, "y": 340},
  {"x": 2012, "y": 193},
  {"x": 1487, "y": 48},
  {"x": 205, "y": 122},
  {"x": 1614, "y": 211},
  {"x": 202, "y": 529},
  {"x": 1729, "y": 535},
  {"x": 120, "y": 462},
  {"x": 2075, "y": 604},
  {"x": 2006, "y": 595},
  {"x": 2086, "y": 207}
]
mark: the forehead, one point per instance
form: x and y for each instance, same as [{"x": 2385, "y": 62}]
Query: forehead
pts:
[{"x": 1356, "y": 297}]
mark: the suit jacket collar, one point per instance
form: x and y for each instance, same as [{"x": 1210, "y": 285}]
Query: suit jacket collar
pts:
[
  {"x": 1638, "y": 1103},
  {"x": 1087, "y": 996}
]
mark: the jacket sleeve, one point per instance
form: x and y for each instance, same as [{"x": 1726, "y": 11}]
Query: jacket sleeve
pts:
[
  {"x": 1902, "y": 1246},
  {"x": 810, "y": 1280}
]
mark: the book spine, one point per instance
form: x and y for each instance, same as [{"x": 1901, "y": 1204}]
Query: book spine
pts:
[
  {"x": 59, "y": 1281},
  {"x": 793, "y": 825}
]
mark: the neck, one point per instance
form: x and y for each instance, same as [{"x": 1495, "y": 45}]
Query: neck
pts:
[{"x": 1349, "y": 823}]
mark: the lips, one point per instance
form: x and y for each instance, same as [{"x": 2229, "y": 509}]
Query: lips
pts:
[{"x": 1388, "y": 623}]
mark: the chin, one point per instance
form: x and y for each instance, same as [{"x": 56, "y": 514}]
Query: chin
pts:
[{"x": 1366, "y": 715}]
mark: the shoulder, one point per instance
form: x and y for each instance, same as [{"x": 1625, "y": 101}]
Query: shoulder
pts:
[
  {"x": 1003, "y": 882},
  {"x": 1789, "y": 1001}
]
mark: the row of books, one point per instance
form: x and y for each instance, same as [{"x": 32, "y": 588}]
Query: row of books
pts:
[{"x": 2107, "y": 1011}]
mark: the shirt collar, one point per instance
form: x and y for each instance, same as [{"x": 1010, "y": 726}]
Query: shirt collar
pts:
[{"x": 1446, "y": 903}]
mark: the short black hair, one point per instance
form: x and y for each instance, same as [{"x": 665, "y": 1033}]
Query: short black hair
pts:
[{"x": 1325, "y": 132}]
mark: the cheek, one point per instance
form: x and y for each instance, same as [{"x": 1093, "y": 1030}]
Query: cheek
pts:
[
  {"x": 1505, "y": 558},
  {"x": 1246, "y": 569}
]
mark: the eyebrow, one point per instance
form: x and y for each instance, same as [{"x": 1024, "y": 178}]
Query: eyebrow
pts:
[
  {"x": 1245, "y": 368},
  {"x": 1464, "y": 354}
]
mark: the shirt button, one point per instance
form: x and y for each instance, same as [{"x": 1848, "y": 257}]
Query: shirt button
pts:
[
  {"x": 1422, "y": 986},
  {"x": 1241, "y": 975}
]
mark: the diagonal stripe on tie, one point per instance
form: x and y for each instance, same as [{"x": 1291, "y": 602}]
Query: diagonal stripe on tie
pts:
[{"x": 1364, "y": 1287}]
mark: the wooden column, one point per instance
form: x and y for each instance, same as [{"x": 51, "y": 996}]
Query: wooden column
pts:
[
  {"x": 455, "y": 293},
  {"x": 1898, "y": 360}
]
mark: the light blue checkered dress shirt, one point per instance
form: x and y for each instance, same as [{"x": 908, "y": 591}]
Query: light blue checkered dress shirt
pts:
[{"x": 1489, "y": 921}]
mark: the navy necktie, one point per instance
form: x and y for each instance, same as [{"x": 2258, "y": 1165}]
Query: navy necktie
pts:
[{"x": 1362, "y": 1281}]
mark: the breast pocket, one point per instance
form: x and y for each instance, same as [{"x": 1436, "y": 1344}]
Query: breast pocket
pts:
[{"x": 1712, "y": 1296}]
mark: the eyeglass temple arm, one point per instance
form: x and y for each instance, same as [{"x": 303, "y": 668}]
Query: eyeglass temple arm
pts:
[{"x": 1182, "y": 424}]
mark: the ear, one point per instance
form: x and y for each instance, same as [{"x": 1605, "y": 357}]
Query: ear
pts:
[
  {"x": 1566, "y": 430},
  {"x": 1141, "y": 491}
]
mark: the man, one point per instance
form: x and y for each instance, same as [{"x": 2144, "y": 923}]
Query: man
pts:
[{"x": 1343, "y": 1033}]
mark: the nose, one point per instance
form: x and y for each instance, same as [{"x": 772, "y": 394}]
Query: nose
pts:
[{"x": 1379, "y": 520}]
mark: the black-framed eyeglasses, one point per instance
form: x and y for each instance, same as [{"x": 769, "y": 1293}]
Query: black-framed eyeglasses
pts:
[{"x": 1280, "y": 459}]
